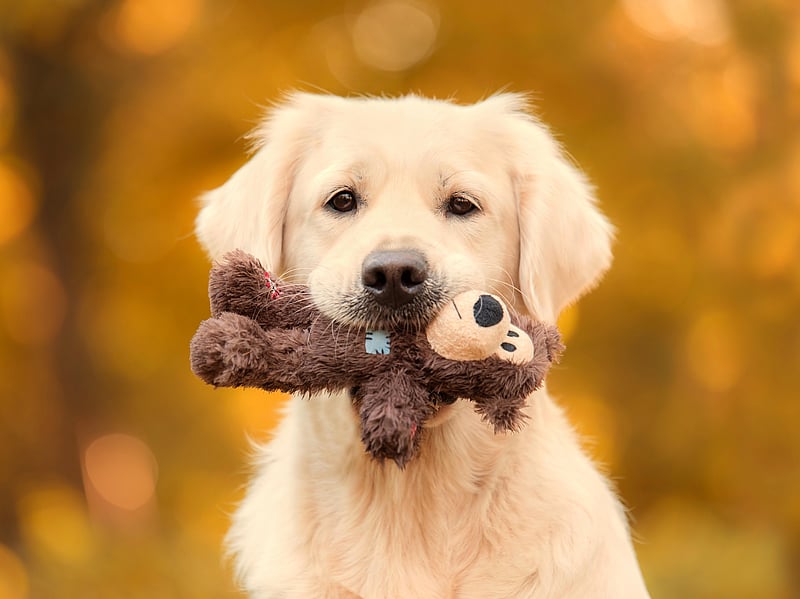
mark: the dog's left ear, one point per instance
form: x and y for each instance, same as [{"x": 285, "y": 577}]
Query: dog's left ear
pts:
[
  {"x": 565, "y": 241},
  {"x": 248, "y": 211}
]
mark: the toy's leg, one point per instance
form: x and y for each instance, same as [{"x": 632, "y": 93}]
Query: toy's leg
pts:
[
  {"x": 393, "y": 409},
  {"x": 503, "y": 413},
  {"x": 234, "y": 351}
]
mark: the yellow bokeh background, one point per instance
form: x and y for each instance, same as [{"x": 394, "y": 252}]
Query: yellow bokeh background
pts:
[{"x": 118, "y": 469}]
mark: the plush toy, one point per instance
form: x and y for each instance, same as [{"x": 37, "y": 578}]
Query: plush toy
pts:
[{"x": 267, "y": 333}]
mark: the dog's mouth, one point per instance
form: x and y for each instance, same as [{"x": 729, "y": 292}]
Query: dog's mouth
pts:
[
  {"x": 413, "y": 315},
  {"x": 360, "y": 309}
]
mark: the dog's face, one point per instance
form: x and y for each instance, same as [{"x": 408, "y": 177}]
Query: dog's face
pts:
[
  {"x": 388, "y": 208},
  {"x": 398, "y": 207}
]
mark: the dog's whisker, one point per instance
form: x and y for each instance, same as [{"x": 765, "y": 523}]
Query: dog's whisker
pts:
[
  {"x": 501, "y": 293},
  {"x": 296, "y": 275}
]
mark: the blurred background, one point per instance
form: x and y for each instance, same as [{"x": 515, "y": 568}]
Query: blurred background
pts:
[{"x": 118, "y": 469}]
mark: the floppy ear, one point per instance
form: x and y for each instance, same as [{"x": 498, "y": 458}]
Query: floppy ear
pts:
[
  {"x": 565, "y": 241},
  {"x": 248, "y": 211}
]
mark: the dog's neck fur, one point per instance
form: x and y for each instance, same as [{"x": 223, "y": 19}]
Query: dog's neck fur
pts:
[
  {"x": 461, "y": 454},
  {"x": 470, "y": 502},
  {"x": 425, "y": 516}
]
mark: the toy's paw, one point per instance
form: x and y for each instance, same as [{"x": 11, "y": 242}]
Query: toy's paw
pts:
[
  {"x": 389, "y": 433},
  {"x": 239, "y": 284},
  {"x": 504, "y": 415},
  {"x": 221, "y": 351},
  {"x": 399, "y": 445}
]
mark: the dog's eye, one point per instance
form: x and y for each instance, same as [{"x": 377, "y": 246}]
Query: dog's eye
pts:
[
  {"x": 460, "y": 206},
  {"x": 342, "y": 201}
]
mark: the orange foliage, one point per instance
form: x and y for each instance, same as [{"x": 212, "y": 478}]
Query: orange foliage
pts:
[{"x": 118, "y": 467}]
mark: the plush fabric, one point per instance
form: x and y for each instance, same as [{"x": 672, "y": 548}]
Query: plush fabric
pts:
[{"x": 268, "y": 334}]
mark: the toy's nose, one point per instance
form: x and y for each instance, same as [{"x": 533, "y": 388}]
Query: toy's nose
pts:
[
  {"x": 394, "y": 277},
  {"x": 487, "y": 311}
]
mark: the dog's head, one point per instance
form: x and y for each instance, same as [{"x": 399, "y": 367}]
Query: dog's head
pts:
[{"x": 390, "y": 207}]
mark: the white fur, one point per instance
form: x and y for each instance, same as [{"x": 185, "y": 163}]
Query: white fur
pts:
[{"x": 475, "y": 515}]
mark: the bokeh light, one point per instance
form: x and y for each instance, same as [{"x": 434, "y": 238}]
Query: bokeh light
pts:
[
  {"x": 17, "y": 200},
  {"x": 393, "y": 35},
  {"x": 701, "y": 21},
  {"x": 13, "y": 577},
  {"x": 122, "y": 470},
  {"x": 150, "y": 26},
  {"x": 55, "y": 525}
]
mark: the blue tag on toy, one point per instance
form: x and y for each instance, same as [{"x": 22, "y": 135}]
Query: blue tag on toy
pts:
[{"x": 378, "y": 342}]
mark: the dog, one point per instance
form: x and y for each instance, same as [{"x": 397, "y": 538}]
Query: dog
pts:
[{"x": 387, "y": 208}]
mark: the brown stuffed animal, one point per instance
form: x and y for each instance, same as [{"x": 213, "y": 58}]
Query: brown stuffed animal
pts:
[{"x": 268, "y": 334}]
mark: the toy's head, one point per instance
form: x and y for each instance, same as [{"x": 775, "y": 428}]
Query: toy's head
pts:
[{"x": 475, "y": 325}]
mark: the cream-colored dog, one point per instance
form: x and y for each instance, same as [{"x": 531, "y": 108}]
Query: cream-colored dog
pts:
[{"x": 387, "y": 208}]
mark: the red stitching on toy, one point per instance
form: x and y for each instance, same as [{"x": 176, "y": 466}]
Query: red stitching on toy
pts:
[{"x": 272, "y": 286}]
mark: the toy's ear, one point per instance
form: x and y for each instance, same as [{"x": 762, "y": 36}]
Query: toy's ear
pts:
[
  {"x": 248, "y": 211},
  {"x": 565, "y": 242}
]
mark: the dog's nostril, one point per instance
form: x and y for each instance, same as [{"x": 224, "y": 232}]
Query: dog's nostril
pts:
[
  {"x": 374, "y": 278},
  {"x": 394, "y": 277},
  {"x": 412, "y": 276}
]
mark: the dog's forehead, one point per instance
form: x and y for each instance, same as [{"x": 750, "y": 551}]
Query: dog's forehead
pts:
[
  {"x": 432, "y": 142},
  {"x": 410, "y": 123}
]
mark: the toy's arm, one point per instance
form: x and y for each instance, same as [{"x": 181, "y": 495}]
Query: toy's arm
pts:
[
  {"x": 234, "y": 351},
  {"x": 498, "y": 388},
  {"x": 490, "y": 377},
  {"x": 499, "y": 385},
  {"x": 240, "y": 284}
]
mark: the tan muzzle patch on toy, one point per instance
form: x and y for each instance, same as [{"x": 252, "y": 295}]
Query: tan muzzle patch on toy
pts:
[
  {"x": 471, "y": 326},
  {"x": 517, "y": 346}
]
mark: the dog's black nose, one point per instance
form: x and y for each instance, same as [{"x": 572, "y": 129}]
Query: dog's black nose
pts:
[
  {"x": 394, "y": 277},
  {"x": 487, "y": 311}
]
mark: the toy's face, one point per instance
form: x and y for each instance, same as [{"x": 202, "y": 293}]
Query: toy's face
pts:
[{"x": 473, "y": 326}]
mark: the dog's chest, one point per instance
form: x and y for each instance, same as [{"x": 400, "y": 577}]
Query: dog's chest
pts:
[
  {"x": 400, "y": 560},
  {"x": 387, "y": 552},
  {"x": 416, "y": 541}
]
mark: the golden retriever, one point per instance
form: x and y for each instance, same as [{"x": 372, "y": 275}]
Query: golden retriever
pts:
[{"x": 386, "y": 208}]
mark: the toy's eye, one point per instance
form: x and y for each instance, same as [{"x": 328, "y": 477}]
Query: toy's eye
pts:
[
  {"x": 343, "y": 201},
  {"x": 459, "y": 205}
]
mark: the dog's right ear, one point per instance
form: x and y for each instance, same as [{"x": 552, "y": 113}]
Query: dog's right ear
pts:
[
  {"x": 248, "y": 211},
  {"x": 565, "y": 241}
]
